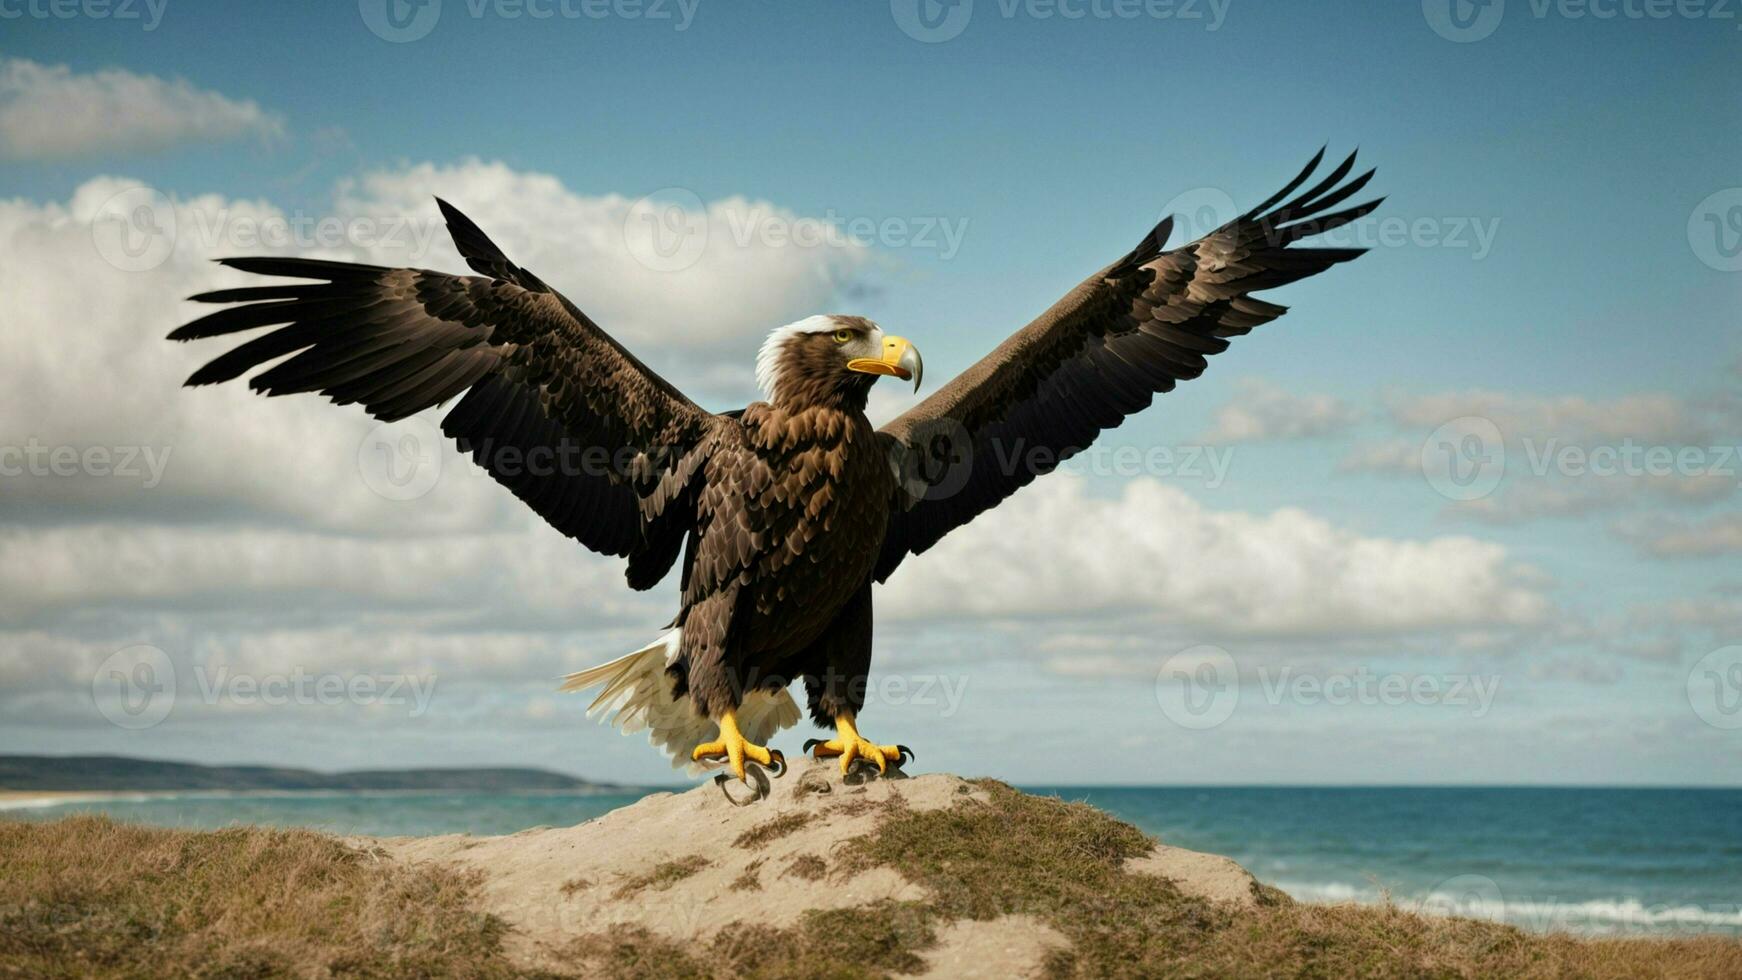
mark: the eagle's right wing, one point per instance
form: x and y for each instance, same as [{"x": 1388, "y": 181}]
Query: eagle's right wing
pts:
[
  {"x": 555, "y": 409},
  {"x": 1100, "y": 354}
]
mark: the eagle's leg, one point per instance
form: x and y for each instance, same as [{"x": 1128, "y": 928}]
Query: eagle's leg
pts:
[
  {"x": 850, "y": 745},
  {"x": 735, "y": 748}
]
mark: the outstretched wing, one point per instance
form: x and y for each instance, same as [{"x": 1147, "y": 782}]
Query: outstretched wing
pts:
[
  {"x": 554, "y": 408},
  {"x": 1100, "y": 354}
]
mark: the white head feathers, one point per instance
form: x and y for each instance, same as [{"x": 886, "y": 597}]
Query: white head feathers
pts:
[{"x": 768, "y": 358}]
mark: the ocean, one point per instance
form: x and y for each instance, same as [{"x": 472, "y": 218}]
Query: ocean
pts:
[{"x": 1590, "y": 861}]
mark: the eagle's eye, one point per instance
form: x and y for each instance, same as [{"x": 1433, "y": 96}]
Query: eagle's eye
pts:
[{"x": 842, "y": 336}]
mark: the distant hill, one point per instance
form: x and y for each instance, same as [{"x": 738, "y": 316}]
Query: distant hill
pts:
[{"x": 118, "y": 773}]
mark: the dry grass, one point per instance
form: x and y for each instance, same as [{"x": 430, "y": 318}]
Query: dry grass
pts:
[
  {"x": 759, "y": 836},
  {"x": 662, "y": 876},
  {"x": 89, "y": 897},
  {"x": 807, "y": 867},
  {"x": 750, "y": 879},
  {"x": 873, "y": 941},
  {"x": 1063, "y": 863}
]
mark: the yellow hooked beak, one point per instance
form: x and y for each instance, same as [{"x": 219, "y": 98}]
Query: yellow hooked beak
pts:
[{"x": 900, "y": 359}]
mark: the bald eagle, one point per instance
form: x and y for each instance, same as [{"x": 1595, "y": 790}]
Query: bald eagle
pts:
[{"x": 785, "y": 512}]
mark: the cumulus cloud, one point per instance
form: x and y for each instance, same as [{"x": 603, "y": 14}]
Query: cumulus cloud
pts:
[
  {"x": 87, "y": 364},
  {"x": 1262, "y": 411},
  {"x": 1054, "y": 549},
  {"x": 1668, "y": 537},
  {"x": 230, "y": 529},
  {"x": 51, "y": 112},
  {"x": 670, "y": 276},
  {"x": 1567, "y": 456},
  {"x": 1652, "y": 417},
  {"x": 532, "y": 576},
  {"x": 1551, "y": 496}
]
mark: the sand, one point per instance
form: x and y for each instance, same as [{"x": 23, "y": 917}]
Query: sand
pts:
[{"x": 552, "y": 884}]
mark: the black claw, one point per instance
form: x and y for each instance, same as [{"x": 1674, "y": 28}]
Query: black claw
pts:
[
  {"x": 810, "y": 743},
  {"x": 776, "y": 763},
  {"x": 759, "y": 789},
  {"x": 906, "y": 755},
  {"x": 860, "y": 771}
]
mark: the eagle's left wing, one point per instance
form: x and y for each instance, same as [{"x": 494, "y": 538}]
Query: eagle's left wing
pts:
[
  {"x": 1100, "y": 354},
  {"x": 554, "y": 408}
]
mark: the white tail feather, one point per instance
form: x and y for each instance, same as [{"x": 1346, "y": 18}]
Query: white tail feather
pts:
[{"x": 637, "y": 695}]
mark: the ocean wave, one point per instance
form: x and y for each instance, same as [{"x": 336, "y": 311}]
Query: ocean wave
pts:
[
  {"x": 1482, "y": 899},
  {"x": 73, "y": 799}
]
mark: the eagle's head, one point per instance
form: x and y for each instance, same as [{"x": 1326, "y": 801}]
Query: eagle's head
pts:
[{"x": 832, "y": 360}]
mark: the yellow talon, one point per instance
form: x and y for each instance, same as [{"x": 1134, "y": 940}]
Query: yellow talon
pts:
[
  {"x": 733, "y": 747},
  {"x": 850, "y": 745}
]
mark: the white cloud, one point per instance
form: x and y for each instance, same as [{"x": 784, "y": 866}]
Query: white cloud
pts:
[
  {"x": 1549, "y": 496},
  {"x": 51, "y": 112},
  {"x": 1664, "y": 537},
  {"x": 723, "y": 300},
  {"x": 87, "y": 365},
  {"x": 1652, "y": 417},
  {"x": 1570, "y": 456},
  {"x": 1399, "y": 456},
  {"x": 1053, "y": 550},
  {"x": 1262, "y": 411},
  {"x": 535, "y": 575}
]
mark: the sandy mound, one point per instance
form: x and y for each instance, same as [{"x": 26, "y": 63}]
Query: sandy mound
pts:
[{"x": 684, "y": 865}]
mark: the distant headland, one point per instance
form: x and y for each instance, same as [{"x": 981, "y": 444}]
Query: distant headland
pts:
[{"x": 119, "y": 774}]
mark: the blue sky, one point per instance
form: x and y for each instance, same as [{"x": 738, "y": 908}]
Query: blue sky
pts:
[{"x": 1542, "y": 180}]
